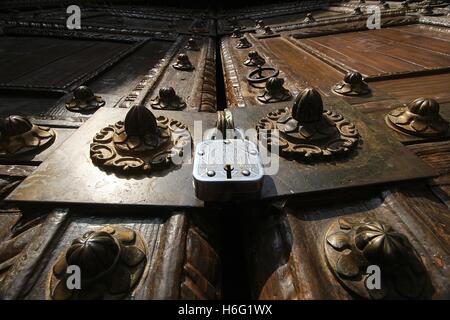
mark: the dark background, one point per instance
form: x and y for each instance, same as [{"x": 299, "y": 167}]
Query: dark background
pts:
[{"x": 200, "y": 4}]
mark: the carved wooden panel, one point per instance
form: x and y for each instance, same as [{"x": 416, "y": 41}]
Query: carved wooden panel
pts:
[
  {"x": 286, "y": 246},
  {"x": 174, "y": 268}
]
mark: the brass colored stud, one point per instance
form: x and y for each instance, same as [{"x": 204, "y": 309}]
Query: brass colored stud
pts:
[
  {"x": 20, "y": 136},
  {"x": 243, "y": 43},
  {"x": 111, "y": 259},
  {"x": 309, "y": 18},
  {"x": 254, "y": 60},
  {"x": 183, "y": 63},
  {"x": 274, "y": 91},
  {"x": 420, "y": 118},
  {"x": 307, "y": 131},
  {"x": 352, "y": 245},
  {"x": 83, "y": 99},
  {"x": 168, "y": 100},
  {"x": 236, "y": 33},
  {"x": 139, "y": 145},
  {"x": 357, "y": 11},
  {"x": 192, "y": 45},
  {"x": 352, "y": 85}
]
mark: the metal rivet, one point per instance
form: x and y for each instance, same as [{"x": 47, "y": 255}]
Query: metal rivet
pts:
[
  {"x": 200, "y": 153},
  {"x": 211, "y": 173},
  {"x": 253, "y": 152},
  {"x": 226, "y": 141},
  {"x": 245, "y": 172}
]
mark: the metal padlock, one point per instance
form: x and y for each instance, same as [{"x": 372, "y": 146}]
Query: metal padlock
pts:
[{"x": 227, "y": 169}]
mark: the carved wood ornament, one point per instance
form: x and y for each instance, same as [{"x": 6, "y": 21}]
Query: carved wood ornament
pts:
[
  {"x": 274, "y": 91},
  {"x": 83, "y": 99},
  {"x": 192, "y": 45},
  {"x": 243, "y": 43},
  {"x": 352, "y": 85},
  {"x": 420, "y": 118},
  {"x": 19, "y": 136},
  {"x": 140, "y": 144},
  {"x": 352, "y": 245},
  {"x": 254, "y": 60},
  {"x": 111, "y": 259},
  {"x": 183, "y": 63},
  {"x": 168, "y": 100},
  {"x": 308, "y": 131}
]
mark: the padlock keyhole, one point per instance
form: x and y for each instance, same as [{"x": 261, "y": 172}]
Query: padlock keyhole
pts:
[{"x": 228, "y": 168}]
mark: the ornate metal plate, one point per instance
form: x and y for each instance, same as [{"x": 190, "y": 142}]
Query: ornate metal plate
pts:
[
  {"x": 377, "y": 159},
  {"x": 69, "y": 176}
]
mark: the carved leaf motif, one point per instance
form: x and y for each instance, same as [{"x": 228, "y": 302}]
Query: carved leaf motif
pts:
[
  {"x": 60, "y": 266},
  {"x": 31, "y": 140},
  {"x": 418, "y": 125},
  {"x": 363, "y": 238},
  {"x": 132, "y": 255},
  {"x": 61, "y": 292},
  {"x": 43, "y": 132},
  {"x": 126, "y": 235},
  {"x": 348, "y": 265},
  {"x": 402, "y": 119},
  {"x": 339, "y": 240},
  {"x": 345, "y": 224}
]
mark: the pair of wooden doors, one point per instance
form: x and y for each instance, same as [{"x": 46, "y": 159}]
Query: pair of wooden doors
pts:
[{"x": 311, "y": 234}]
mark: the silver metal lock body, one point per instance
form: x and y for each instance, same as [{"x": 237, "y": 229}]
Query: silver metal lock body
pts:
[{"x": 228, "y": 169}]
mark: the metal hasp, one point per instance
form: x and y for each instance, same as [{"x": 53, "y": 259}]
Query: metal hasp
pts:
[
  {"x": 419, "y": 118},
  {"x": 111, "y": 259},
  {"x": 352, "y": 245},
  {"x": 140, "y": 144},
  {"x": 20, "y": 136},
  {"x": 227, "y": 170},
  {"x": 378, "y": 160},
  {"x": 352, "y": 85},
  {"x": 226, "y": 166},
  {"x": 307, "y": 131},
  {"x": 83, "y": 99}
]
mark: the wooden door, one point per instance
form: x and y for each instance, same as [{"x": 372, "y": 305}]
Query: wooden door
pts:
[{"x": 298, "y": 248}]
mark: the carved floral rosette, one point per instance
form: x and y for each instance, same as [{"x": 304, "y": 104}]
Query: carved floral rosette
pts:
[
  {"x": 113, "y": 150},
  {"x": 352, "y": 85},
  {"x": 331, "y": 137},
  {"x": 419, "y": 117},
  {"x": 352, "y": 245},
  {"x": 76, "y": 105},
  {"x": 111, "y": 259},
  {"x": 83, "y": 99},
  {"x": 37, "y": 138}
]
